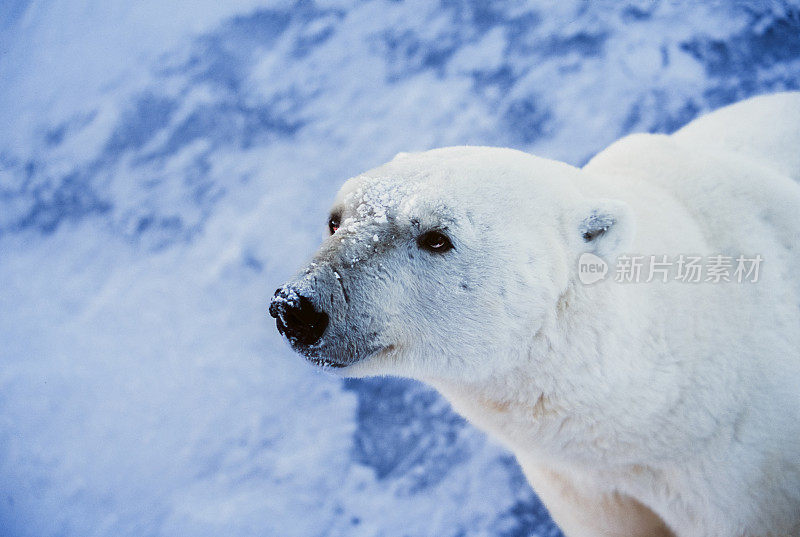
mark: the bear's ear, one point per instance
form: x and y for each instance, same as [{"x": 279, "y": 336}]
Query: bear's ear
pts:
[{"x": 604, "y": 227}]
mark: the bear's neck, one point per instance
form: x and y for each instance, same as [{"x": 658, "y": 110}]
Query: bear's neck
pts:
[{"x": 570, "y": 396}]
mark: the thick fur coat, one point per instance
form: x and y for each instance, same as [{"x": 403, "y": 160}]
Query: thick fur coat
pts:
[{"x": 635, "y": 409}]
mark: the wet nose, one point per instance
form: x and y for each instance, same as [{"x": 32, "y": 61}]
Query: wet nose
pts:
[{"x": 296, "y": 317}]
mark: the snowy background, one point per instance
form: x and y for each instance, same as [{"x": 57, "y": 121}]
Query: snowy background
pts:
[{"x": 165, "y": 165}]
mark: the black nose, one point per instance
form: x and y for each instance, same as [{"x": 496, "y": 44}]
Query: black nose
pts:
[{"x": 297, "y": 318}]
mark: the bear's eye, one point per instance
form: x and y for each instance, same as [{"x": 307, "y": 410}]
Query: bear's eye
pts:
[
  {"x": 434, "y": 241},
  {"x": 333, "y": 223}
]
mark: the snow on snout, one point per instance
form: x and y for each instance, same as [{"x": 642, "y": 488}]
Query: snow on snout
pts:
[{"x": 285, "y": 295}]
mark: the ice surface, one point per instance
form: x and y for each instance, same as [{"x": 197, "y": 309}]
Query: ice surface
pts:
[{"x": 165, "y": 166}]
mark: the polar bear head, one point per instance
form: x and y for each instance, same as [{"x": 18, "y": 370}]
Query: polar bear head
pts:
[{"x": 445, "y": 264}]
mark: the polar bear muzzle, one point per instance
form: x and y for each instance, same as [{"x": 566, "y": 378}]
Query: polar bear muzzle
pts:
[{"x": 315, "y": 314}]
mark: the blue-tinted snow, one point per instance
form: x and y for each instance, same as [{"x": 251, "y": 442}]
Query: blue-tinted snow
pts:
[{"x": 164, "y": 166}]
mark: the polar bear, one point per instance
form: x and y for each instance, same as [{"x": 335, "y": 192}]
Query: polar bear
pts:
[{"x": 642, "y": 408}]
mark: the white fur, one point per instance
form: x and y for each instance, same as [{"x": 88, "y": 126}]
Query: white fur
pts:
[{"x": 634, "y": 409}]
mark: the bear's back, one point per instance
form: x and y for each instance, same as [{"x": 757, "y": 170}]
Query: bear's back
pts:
[
  {"x": 737, "y": 177},
  {"x": 765, "y": 129}
]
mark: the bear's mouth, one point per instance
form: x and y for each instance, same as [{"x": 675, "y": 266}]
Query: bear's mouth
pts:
[
  {"x": 329, "y": 363},
  {"x": 325, "y": 362}
]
